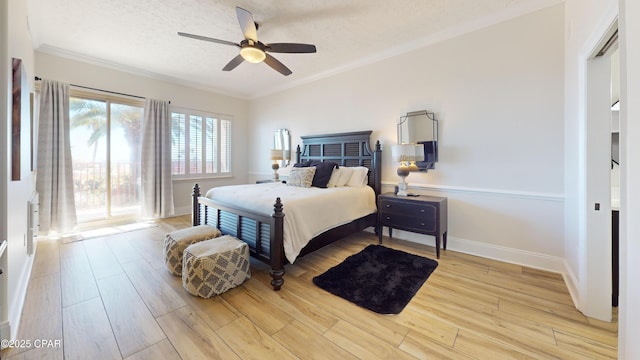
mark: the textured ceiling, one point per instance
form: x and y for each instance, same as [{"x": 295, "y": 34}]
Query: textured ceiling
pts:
[{"x": 140, "y": 35}]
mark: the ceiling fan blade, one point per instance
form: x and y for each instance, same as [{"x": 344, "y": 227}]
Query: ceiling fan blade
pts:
[
  {"x": 204, "y": 38},
  {"x": 277, "y": 65},
  {"x": 291, "y": 48},
  {"x": 233, "y": 63},
  {"x": 247, "y": 25}
]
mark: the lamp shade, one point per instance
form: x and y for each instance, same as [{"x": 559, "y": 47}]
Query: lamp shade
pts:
[
  {"x": 403, "y": 152},
  {"x": 276, "y": 154}
]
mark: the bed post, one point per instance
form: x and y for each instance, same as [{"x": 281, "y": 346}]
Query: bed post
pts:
[
  {"x": 377, "y": 180},
  {"x": 377, "y": 171},
  {"x": 195, "y": 208},
  {"x": 297, "y": 154},
  {"x": 276, "y": 247}
]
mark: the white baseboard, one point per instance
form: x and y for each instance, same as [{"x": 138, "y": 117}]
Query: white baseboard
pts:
[
  {"x": 506, "y": 254},
  {"x": 490, "y": 251},
  {"x": 571, "y": 281},
  {"x": 9, "y": 329}
]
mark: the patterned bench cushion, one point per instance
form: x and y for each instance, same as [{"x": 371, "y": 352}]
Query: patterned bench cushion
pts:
[
  {"x": 175, "y": 242},
  {"x": 212, "y": 267}
]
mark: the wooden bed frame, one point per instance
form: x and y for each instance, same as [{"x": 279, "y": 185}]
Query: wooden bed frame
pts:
[{"x": 264, "y": 233}]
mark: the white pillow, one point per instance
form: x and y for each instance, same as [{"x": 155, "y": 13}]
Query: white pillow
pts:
[
  {"x": 358, "y": 177},
  {"x": 335, "y": 174},
  {"x": 344, "y": 176}
]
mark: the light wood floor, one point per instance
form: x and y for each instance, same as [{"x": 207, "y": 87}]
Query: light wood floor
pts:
[{"x": 111, "y": 298}]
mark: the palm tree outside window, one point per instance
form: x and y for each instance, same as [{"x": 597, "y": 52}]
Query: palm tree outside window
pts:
[{"x": 105, "y": 141}]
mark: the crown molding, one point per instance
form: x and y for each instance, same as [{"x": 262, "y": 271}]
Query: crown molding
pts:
[{"x": 52, "y": 50}]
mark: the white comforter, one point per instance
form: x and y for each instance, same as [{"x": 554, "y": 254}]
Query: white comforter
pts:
[{"x": 308, "y": 211}]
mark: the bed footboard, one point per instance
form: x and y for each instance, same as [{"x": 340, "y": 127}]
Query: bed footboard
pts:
[{"x": 263, "y": 233}]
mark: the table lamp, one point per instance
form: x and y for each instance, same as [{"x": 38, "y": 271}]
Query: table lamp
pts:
[
  {"x": 276, "y": 156},
  {"x": 405, "y": 155}
]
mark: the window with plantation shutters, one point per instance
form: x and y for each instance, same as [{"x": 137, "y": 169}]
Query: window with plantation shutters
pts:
[{"x": 201, "y": 144}]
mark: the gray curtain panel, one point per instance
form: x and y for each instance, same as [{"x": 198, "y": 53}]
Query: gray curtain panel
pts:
[
  {"x": 157, "y": 188},
  {"x": 54, "y": 179}
]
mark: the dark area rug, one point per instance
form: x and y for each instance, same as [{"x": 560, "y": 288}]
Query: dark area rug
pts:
[{"x": 378, "y": 278}]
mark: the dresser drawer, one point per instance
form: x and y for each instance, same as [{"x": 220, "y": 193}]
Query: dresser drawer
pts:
[
  {"x": 409, "y": 223},
  {"x": 421, "y": 210}
]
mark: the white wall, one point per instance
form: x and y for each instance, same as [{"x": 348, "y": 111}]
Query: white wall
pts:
[
  {"x": 629, "y": 312},
  {"x": 106, "y": 78},
  {"x": 16, "y": 193},
  {"x": 498, "y": 93}
]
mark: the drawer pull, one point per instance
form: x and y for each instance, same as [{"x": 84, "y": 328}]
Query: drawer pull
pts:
[
  {"x": 388, "y": 205},
  {"x": 421, "y": 210},
  {"x": 421, "y": 224},
  {"x": 388, "y": 218}
]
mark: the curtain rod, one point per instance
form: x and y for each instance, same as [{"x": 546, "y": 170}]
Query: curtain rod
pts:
[{"x": 106, "y": 91}]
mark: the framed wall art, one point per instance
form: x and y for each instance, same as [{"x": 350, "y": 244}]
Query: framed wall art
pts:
[{"x": 16, "y": 117}]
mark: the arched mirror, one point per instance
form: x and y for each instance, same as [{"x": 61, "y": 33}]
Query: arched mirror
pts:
[
  {"x": 420, "y": 128},
  {"x": 282, "y": 141}
]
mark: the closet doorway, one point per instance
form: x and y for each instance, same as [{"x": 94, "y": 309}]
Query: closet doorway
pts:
[
  {"x": 105, "y": 150},
  {"x": 598, "y": 275}
]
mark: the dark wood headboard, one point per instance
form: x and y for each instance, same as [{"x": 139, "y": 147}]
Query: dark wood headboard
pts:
[{"x": 345, "y": 149}]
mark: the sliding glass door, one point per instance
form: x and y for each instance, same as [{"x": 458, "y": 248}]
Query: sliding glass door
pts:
[{"x": 105, "y": 148}]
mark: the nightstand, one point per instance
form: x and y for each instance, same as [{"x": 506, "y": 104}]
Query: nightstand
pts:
[{"x": 421, "y": 214}]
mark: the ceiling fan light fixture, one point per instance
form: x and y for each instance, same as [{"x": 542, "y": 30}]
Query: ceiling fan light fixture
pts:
[
  {"x": 252, "y": 54},
  {"x": 254, "y": 51}
]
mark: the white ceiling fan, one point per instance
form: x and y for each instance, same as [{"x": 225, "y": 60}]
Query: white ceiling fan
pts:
[{"x": 253, "y": 50}]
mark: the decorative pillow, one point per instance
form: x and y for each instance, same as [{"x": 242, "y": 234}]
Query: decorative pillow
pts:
[
  {"x": 301, "y": 176},
  {"x": 344, "y": 173},
  {"x": 358, "y": 177},
  {"x": 323, "y": 173}
]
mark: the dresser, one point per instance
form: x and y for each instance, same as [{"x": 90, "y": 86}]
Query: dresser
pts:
[{"x": 421, "y": 214}]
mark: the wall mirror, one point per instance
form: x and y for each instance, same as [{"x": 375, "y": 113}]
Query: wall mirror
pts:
[
  {"x": 420, "y": 128},
  {"x": 282, "y": 141}
]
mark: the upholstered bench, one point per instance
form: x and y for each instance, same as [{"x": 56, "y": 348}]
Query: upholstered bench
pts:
[
  {"x": 175, "y": 242},
  {"x": 212, "y": 267}
]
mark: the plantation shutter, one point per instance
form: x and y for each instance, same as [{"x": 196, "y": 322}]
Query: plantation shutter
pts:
[
  {"x": 211, "y": 145},
  {"x": 195, "y": 144},
  {"x": 178, "y": 147},
  {"x": 225, "y": 146}
]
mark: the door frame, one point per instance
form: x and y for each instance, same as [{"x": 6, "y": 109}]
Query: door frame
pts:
[{"x": 595, "y": 225}]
